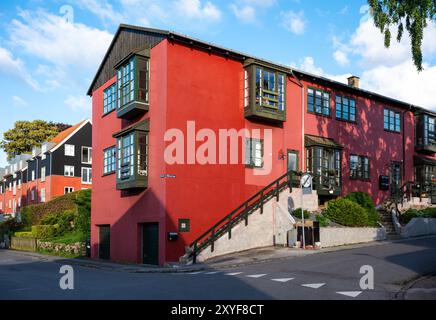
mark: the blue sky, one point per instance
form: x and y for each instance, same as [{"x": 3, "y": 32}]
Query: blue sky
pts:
[{"x": 50, "y": 50}]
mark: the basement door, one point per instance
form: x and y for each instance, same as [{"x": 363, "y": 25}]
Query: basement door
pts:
[
  {"x": 150, "y": 243},
  {"x": 104, "y": 243}
]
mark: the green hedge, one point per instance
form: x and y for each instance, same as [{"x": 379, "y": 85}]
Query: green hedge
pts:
[
  {"x": 346, "y": 212},
  {"x": 45, "y": 231},
  {"x": 24, "y": 234},
  {"x": 365, "y": 201},
  {"x": 414, "y": 213}
]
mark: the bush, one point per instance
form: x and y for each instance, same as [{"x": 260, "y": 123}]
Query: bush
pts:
[
  {"x": 24, "y": 234},
  {"x": 83, "y": 221},
  {"x": 323, "y": 221},
  {"x": 9, "y": 227},
  {"x": 413, "y": 213},
  {"x": 45, "y": 231},
  {"x": 64, "y": 220},
  {"x": 346, "y": 212},
  {"x": 297, "y": 213},
  {"x": 365, "y": 201}
]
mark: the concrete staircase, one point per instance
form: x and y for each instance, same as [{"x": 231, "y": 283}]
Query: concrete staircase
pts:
[{"x": 386, "y": 221}]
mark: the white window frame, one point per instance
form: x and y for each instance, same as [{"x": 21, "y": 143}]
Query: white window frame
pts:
[
  {"x": 70, "y": 150},
  {"x": 70, "y": 190},
  {"x": 89, "y": 175},
  {"x": 89, "y": 155},
  {"x": 33, "y": 175},
  {"x": 32, "y": 195},
  {"x": 43, "y": 173},
  {"x": 68, "y": 171},
  {"x": 42, "y": 194}
]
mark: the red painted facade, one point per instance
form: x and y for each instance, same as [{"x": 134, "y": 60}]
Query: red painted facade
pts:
[{"x": 188, "y": 84}]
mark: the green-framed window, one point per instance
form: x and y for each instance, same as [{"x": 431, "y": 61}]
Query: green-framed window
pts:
[
  {"x": 132, "y": 159},
  {"x": 270, "y": 88},
  {"x": 345, "y": 109},
  {"x": 133, "y": 81},
  {"x": 318, "y": 102},
  {"x": 359, "y": 167},
  {"x": 254, "y": 153},
  {"x": 109, "y": 99},
  {"x": 392, "y": 120},
  {"x": 429, "y": 136},
  {"x": 109, "y": 160}
]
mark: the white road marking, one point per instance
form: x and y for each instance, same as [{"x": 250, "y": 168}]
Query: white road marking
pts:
[
  {"x": 256, "y": 275},
  {"x": 313, "y": 285},
  {"x": 283, "y": 279},
  {"x": 212, "y": 272},
  {"x": 233, "y": 273},
  {"x": 352, "y": 294},
  {"x": 197, "y": 272}
]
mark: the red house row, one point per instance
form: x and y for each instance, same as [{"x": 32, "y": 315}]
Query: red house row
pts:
[
  {"x": 59, "y": 166},
  {"x": 159, "y": 99}
]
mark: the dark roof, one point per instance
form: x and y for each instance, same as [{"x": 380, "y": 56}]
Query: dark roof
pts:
[
  {"x": 312, "y": 141},
  {"x": 243, "y": 56}
]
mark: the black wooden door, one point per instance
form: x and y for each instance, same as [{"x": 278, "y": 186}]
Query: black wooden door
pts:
[
  {"x": 150, "y": 243},
  {"x": 104, "y": 244}
]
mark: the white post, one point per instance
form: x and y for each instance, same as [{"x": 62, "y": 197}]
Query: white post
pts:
[{"x": 302, "y": 216}]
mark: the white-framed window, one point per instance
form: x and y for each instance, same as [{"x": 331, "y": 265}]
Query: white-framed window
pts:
[
  {"x": 32, "y": 195},
  {"x": 19, "y": 183},
  {"x": 253, "y": 153},
  {"x": 42, "y": 194},
  {"x": 10, "y": 204},
  {"x": 42, "y": 173},
  {"x": 14, "y": 188},
  {"x": 1, "y": 205},
  {"x": 69, "y": 171},
  {"x": 86, "y": 155},
  {"x": 68, "y": 190},
  {"x": 86, "y": 175},
  {"x": 69, "y": 150},
  {"x": 19, "y": 202},
  {"x": 33, "y": 175}
]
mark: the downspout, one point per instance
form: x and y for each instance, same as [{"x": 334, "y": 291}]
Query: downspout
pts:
[
  {"x": 36, "y": 178},
  {"x": 51, "y": 175},
  {"x": 302, "y": 158}
]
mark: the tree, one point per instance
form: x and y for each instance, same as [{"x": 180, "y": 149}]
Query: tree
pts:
[
  {"x": 413, "y": 15},
  {"x": 27, "y": 134}
]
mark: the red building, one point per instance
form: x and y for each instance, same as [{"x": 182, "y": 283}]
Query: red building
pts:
[
  {"x": 154, "y": 86},
  {"x": 59, "y": 166}
]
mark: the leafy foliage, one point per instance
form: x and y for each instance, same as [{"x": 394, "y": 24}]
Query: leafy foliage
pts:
[
  {"x": 409, "y": 15},
  {"x": 297, "y": 213},
  {"x": 346, "y": 212},
  {"x": 27, "y": 134},
  {"x": 413, "y": 213},
  {"x": 45, "y": 231},
  {"x": 323, "y": 221},
  {"x": 10, "y": 226},
  {"x": 365, "y": 201}
]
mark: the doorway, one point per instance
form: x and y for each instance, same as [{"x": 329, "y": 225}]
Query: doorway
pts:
[
  {"x": 104, "y": 243},
  {"x": 150, "y": 243},
  {"x": 396, "y": 177},
  {"x": 292, "y": 160}
]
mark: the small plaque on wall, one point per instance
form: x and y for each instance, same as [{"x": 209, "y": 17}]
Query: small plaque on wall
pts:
[
  {"x": 184, "y": 225},
  {"x": 384, "y": 183}
]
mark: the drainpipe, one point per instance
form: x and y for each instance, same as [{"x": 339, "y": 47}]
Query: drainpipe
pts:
[
  {"x": 51, "y": 163},
  {"x": 302, "y": 159},
  {"x": 36, "y": 178}
]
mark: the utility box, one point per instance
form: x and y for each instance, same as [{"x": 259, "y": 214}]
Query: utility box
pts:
[{"x": 292, "y": 238}]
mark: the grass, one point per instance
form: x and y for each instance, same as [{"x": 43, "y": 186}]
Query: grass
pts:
[
  {"x": 69, "y": 238},
  {"x": 59, "y": 254}
]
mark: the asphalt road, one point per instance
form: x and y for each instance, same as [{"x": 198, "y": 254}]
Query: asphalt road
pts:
[{"x": 401, "y": 271}]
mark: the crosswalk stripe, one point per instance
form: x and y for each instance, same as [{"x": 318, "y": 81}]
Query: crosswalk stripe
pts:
[
  {"x": 197, "y": 272},
  {"x": 212, "y": 272},
  {"x": 313, "y": 285},
  {"x": 283, "y": 279},
  {"x": 256, "y": 275},
  {"x": 233, "y": 273},
  {"x": 352, "y": 294}
]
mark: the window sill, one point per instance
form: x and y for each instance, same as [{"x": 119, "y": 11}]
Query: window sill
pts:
[
  {"x": 108, "y": 113},
  {"x": 319, "y": 114},
  {"x": 346, "y": 121},
  {"x": 390, "y": 131}
]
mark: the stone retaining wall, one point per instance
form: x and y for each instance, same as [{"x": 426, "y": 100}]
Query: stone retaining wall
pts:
[{"x": 333, "y": 236}]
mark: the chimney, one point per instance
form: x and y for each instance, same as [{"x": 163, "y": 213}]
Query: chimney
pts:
[{"x": 354, "y": 82}]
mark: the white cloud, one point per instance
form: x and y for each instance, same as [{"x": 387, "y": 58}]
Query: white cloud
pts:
[
  {"x": 15, "y": 68},
  {"x": 341, "y": 58},
  {"x": 79, "y": 103},
  {"x": 101, "y": 9},
  {"x": 19, "y": 102},
  {"x": 345, "y": 10},
  {"x": 57, "y": 41},
  {"x": 246, "y": 14},
  {"x": 308, "y": 65},
  {"x": 293, "y": 22},
  {"x": 195, "y": 9},
  {"x": 260, "y": 3}
]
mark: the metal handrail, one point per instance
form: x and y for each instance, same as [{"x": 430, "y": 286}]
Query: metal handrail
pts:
[{"x": 242, "y": 212}]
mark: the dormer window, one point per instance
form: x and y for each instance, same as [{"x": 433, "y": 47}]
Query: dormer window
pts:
[
  {"x": 265, "y": 92},
  {"x": 133, "y": 86}
]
